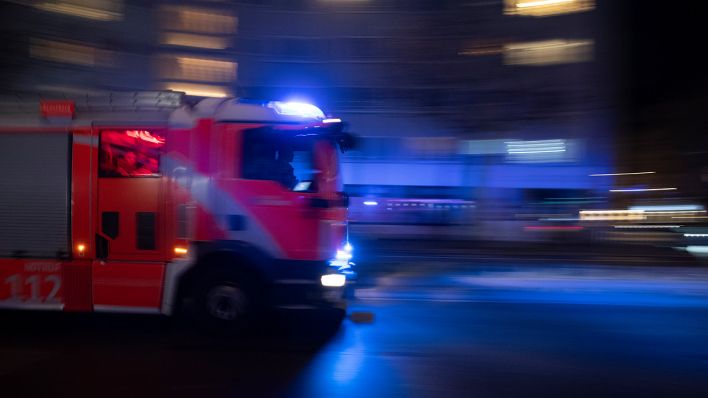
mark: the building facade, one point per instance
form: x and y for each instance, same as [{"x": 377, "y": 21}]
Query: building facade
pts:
[{"x": 489, "y": 101}]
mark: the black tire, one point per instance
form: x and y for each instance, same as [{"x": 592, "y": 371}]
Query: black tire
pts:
[{"x": 226, "y": 302}]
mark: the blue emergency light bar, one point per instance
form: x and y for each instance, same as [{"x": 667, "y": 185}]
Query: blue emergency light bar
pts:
[{"x": 300, "y": 109}]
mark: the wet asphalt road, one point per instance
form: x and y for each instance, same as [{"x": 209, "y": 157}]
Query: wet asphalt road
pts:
[{"x": 499, "y": 331}]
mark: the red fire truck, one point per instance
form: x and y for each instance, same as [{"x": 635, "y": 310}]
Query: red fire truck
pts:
[{"x": 139, "y": 203}]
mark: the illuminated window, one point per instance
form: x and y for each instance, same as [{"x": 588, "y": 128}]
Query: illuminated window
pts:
[
  {"x": 206, "y": 69},
  {"x": 198, "y": 20},
  {"x": 100, "y": 10},
  {"x": 192, "y": 40},
  {"x": 542, "y": 8},
  {"x": 197, "y": 69},
  {"x": 548, "y": 52},
  {"x": 70, "y": 53},
  {"x": 130, "y": 153}
]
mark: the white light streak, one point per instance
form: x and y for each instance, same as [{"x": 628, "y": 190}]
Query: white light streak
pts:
[
  {"x": 541, "y": 3},
  {"x": 622, "y": 174},
  {"x": 646, "y": 226},
  {"x": 642, "y": 189},
  {"x": 668, "y": 208}
]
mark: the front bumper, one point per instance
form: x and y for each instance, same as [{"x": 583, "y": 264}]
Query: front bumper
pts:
[
  {"x": 298, "y": 285},
  {"x": 307, "y": 295}
]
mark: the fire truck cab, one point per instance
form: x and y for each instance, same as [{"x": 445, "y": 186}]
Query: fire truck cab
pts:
[{"x": 140, "y": 203}]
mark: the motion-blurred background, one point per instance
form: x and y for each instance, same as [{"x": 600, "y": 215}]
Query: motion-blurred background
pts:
[{"x": 479, "y": 121}]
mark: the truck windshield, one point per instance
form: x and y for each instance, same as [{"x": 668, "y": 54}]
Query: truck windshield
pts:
[{"x": 282, "y": 157}]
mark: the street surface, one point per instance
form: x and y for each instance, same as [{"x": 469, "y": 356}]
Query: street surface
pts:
[{"x": 443, "y": 329}]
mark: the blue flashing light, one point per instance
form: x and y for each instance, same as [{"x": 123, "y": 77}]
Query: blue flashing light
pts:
[
  {"x": 300, "y": 109},
  {"x": 342, "y": 259},
  {"x": 343, "y": 255},
  {"x": 370, "y": 203}
]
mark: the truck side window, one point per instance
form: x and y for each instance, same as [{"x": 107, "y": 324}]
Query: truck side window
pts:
[{"x": 130, "y": 153}]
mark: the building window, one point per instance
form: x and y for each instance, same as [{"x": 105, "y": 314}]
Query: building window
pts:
[
  {"x": 198, "y": 20},
  {"x": 70, "y": 53},
  {"x": 130, "y": 153},
  {"x": 197, "y": 69},
  {"x": 193, "y": 40},
  {"x": 206, "y": 69},
  {"x": 100, "y": 10}
]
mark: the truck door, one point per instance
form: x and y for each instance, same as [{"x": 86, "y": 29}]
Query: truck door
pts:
[{"x": 129, "y": 240}]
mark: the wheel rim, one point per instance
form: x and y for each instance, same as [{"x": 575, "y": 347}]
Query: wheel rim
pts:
[{"x": 226, "y": 303}]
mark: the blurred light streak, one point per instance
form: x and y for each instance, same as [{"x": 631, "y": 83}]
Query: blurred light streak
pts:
[
  {"x": 696, "y": 235},
  {"x": 371, "y": 203},
  {"x": 539, "y": 151},
  {"x": 548, "y": 52},
  {"x": 193, "y": 40},
  {"x": 333, "y": 120},
  {"x": 105, "y": 10},
  {"x": 200, "y": 90},
  {"x": 541, "y": 3},
  {"x": 553, "y": 228},
  {"x": 642, "y": 189},
  {"x": 622, "y": 174},
  {"x": 668, "y": 208},
  {"x": 537, "y": 215},
  {"x": 598, "y": 215},
  {"x": 697, "y": 249},
  {"x": 531, "y": 147},
  {"x": 542, "y": 8},
  {"x": 482, "y": 50},
  {"x": 646, "y": 226},
  {"x": 668, "y": 213}
]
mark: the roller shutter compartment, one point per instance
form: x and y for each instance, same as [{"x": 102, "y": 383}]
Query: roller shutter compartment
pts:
[{"x": 34, "y": 194}]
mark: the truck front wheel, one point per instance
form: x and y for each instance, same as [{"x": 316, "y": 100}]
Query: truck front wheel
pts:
[{"x": 226, "y": 302}]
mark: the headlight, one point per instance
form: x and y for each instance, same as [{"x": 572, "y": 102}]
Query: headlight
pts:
[{"x": 333, "y": 280}]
